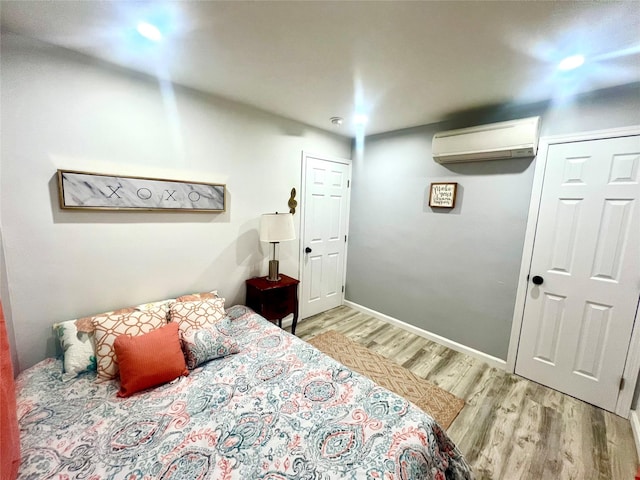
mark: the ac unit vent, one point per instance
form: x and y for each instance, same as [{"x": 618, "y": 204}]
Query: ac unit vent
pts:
[{"x": 495, "y": 141}]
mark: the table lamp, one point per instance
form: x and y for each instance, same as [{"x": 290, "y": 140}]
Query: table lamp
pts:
[{"x": 276, "y": 228}]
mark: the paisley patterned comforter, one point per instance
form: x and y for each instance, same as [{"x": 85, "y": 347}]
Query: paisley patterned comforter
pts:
[{"x": 277, "y": 410}]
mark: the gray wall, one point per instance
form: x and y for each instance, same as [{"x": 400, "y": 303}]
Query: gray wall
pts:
[{"x": 454, "y": 273}]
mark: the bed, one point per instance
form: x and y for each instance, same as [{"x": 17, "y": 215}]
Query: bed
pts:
[{"x": 278, "y": 409}]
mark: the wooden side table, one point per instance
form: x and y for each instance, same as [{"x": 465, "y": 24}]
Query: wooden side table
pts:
[{"x": 274, "y": 300}]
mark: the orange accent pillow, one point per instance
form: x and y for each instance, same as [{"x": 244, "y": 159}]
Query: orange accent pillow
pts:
[
  {"x": 9, "y": 429},
  {"x": 150, "y": 359}
]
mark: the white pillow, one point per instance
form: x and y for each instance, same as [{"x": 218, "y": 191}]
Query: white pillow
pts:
[{"x": 78, "y": 347}]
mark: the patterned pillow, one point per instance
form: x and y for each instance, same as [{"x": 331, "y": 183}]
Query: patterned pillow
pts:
[
  {"x": 198, "y": 297},
  {"x": 197, "y": 315},
  {"x": 208, "y": 343},
  {"x": 163, "y": 304},
  {"x": 78, "y": 345},
  {"x": 78, "y": 349},
  {"x": 109, "y": 327},
  {"x": 85, "y": 324}
]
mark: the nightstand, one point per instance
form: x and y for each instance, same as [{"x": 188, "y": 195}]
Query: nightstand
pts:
[{"x": 274, "y": 300}]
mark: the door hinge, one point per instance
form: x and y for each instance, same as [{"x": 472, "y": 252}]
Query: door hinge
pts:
[
  {"x": 348, "y": 183},
  {"x": 342, "y": 288},
  {"x": 621, "y": 386},
  {"x": 345, "y": 238}
]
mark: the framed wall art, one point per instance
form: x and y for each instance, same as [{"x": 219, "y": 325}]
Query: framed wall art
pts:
[
  {"x": 443, "y": 195},
  {"x": 85, "y": 190}
]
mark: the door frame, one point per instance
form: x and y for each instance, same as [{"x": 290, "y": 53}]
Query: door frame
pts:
[
  {"x": 632, "y": 364},
  {"x": 303, "y": 213}
]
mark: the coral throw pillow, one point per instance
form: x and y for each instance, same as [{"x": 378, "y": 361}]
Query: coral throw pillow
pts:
[
  {"x": 149, "y": 360},
  {"x": 9, "y": 429},
  {"x": 197, "y": 315},
  {"x": 110, "y": 327}
]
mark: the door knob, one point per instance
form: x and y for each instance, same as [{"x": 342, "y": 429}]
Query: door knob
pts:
[
  {"x": 537, "y": 280},
  {"x": 307, "y": 250}
]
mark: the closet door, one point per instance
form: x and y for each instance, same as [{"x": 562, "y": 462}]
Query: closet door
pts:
[
  {"x": 326, "y": 191},
  {"x": 584, "y": 281}
]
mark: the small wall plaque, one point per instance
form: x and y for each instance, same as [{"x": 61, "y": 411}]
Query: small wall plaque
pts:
[
  {"x": 84, "y": 190},
  {"x": 443, "y": 195}
]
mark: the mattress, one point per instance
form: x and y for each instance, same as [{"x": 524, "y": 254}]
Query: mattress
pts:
[{"x": 278, "y": 409}]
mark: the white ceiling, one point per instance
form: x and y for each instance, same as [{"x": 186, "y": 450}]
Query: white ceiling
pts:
[{"x": 401, "y": 63}]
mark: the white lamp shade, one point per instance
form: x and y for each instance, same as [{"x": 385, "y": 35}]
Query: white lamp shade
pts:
[{"x": 277, "y": 227}]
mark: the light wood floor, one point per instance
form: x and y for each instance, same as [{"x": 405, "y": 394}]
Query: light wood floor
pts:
[{"x": 510, "y": 428}]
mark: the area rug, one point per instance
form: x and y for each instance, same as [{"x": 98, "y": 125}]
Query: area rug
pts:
[{"x": 441, "y": 405}]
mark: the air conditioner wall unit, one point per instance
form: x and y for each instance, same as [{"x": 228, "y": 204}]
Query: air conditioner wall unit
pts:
[{"x": 495, "y": 141}]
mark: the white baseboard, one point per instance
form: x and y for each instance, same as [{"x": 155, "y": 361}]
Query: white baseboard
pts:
[
  {"x": 458, "y": 347},
  {"x": 288, "y": 321},
  {"x": 635, "y": 427}
]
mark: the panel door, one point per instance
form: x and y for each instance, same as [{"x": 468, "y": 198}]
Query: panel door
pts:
[
  {"x": 577, "y": 324},
  {"x": 326, "y": 200}
]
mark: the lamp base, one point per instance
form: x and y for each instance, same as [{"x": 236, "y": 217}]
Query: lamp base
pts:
[{"x": 273, "y": 271}]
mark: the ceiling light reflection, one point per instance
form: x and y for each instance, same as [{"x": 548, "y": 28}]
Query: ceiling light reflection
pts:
[
  {"x": 149, "y": 31},
  {"x": 360, "y": 119},
  {"x": 571, "y": 63}
]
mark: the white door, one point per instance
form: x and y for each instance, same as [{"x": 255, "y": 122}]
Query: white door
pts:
[
  {"x": 577, "y": 323},
  {"x": 324, "y": 233}
]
